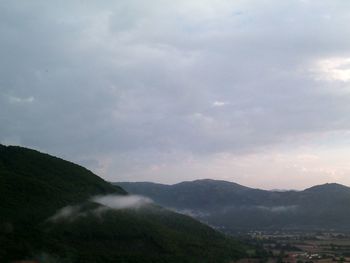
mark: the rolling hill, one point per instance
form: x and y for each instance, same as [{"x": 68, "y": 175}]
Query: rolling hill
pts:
[
  {"x": 234, "y": 207},
  {"x": 50, "y": 212}
]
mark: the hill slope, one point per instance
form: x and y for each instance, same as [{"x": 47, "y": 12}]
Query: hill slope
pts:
[
  {"x": 35, "y": 186},
  {"x": 235, "y": 207}
]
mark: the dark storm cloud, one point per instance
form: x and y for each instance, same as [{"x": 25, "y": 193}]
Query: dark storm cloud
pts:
[{"x": 136, "y": 82}]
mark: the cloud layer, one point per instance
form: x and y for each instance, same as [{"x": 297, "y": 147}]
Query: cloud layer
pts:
[
  {"x": 108, "y": 202},
  {"x": 132, "y": 88}
]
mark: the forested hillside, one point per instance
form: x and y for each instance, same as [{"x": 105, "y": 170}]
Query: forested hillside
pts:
[{"x": 48, "y": 213}]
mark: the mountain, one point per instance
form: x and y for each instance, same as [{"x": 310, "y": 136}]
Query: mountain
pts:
[
  {"x": 52, "y": 210},
  {"x": 199, "y": 194},
  {"x": 234, "y": 207}
]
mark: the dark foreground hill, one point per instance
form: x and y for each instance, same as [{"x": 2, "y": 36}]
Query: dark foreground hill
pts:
[
  {"x": 47, "y": 214},
  {"x": 235, "y": 207}
]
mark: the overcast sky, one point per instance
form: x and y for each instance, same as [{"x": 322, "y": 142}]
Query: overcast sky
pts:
[{"x": 255, "y": 92}]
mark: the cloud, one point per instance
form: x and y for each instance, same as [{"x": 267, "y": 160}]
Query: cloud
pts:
[
  {"x": 70, "y": 213},
  {"x": 123, "y": 202},
  {"x": 128, "y": 85},
  {"x": 334, "y": 69},
  {"x": 21, "y": 100},
  {"x": 109, "y": 202},
  {"x": 219, "y": 103}
]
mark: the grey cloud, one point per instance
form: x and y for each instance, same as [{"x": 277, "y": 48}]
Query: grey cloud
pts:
[
  {"x": 109, "y": 202},
  {"x": 70, "y": 213},
  {"x": 134, "y": 80},
  {"x": 122, "y": 202}
]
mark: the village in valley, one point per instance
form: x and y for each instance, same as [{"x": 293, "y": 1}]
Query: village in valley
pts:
[{"x": 298, "y": 247}]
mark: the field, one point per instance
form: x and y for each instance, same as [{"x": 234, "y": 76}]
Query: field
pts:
[{"x": 299, "y": 247}]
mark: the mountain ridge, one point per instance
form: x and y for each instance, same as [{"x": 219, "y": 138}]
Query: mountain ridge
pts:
[
  {"x": 326, "y": 185},
  {"x": 233, "y": 206}
]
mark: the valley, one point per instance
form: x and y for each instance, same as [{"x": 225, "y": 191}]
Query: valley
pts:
[
  {"x": 62, "y": 212},
  {"x": 298, "y": 247}
]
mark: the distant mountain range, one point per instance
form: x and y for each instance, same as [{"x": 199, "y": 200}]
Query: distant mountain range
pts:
[
  {"x": 52, "y": 210},
  {"x": 233, "y": 207}
]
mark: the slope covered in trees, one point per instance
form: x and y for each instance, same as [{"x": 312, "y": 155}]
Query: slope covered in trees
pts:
[{"x": 35, "y": 186}]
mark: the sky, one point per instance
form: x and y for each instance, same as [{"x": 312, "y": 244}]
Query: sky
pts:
[{"x": 250, "y": 91}]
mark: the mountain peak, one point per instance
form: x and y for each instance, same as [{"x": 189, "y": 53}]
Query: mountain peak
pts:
[
  {"x": 328, "y": 187},
  {"x": 212, "y": 182}
]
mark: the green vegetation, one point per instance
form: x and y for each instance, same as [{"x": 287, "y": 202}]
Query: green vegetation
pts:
[{"x": 34, "y": 186}]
